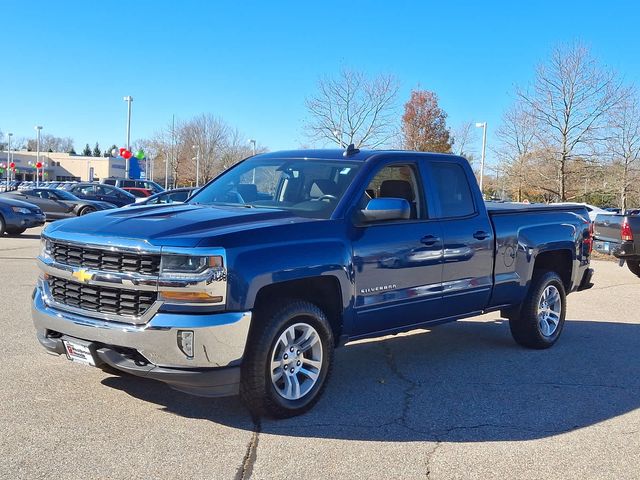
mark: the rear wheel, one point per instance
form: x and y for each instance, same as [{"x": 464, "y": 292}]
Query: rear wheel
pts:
[
  {"x": 288, "y": 360},
  {"x": 634, "y": 266},
  {"x": 542, "y": 314},
  {"x": 2, "y": 225}
]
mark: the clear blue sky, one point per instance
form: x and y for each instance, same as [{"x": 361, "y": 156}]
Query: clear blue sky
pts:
[{"x": 66, "y": 65}]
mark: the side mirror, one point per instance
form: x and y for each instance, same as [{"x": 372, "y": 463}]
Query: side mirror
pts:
[{"x": 386, "y": 209}]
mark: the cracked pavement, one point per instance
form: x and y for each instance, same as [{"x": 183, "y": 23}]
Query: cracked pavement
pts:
[{"x": 460, "y": 401}]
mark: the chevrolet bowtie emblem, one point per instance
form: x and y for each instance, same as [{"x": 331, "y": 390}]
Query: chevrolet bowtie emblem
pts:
[{"x": 82, "y": 275}]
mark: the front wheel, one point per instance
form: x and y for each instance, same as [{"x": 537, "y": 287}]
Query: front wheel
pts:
[
  {"x": 288, "y": 360},
  {"x": 541, "y": 318},
  {"x": 16, "y": 231},
  {"x": 634, "y": 267},
  {"x": 86, "y": 211}
]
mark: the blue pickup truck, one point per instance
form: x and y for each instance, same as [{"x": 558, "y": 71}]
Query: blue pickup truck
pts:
[{"x": 249, "y": 286}]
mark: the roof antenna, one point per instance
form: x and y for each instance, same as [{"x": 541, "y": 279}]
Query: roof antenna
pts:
[{"x": 351, "y": 150}]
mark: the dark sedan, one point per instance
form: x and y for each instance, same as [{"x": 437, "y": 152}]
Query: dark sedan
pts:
[
  {"x": 59, "y": 203},
  {"x": 102, "y": 193},
  {"x": 177, "y": 195},
  {"x": 17, "y": 216}
]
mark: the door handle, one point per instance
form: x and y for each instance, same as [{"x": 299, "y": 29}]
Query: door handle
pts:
[
  {"x": 480, "y": 235},
  {"x": 429, "y": 240}
]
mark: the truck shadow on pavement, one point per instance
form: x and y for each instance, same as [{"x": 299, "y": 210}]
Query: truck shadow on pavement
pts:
[{"x": 467, "y": 381}]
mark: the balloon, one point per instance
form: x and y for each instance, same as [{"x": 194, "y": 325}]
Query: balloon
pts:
[
  {"x": 127, "y": 154},
  {"x": 114, "y": 152},
  {"x": 140, "y": 154},
  {"x": 122, "y": 150},
  {"x": 39, "y": 165}
]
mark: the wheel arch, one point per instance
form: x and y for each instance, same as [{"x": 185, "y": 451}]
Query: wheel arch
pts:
[{"x": 324, "y": 291}]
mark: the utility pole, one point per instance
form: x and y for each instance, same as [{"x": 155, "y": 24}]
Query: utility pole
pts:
[{"x": 128, "y": 99}]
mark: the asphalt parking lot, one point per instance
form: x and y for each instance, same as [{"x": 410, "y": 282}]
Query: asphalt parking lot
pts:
[{"x": 461, "y": 401}]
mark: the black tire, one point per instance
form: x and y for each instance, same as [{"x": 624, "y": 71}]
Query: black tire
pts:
[
  {"x": 86, "y": 210},
  {"x": 526, "y": 327},
  {"x": 2, "y": 225},
  {"x": 16, "y": 231},
  {"x": 634, "y": 266},
  {"x": 256, "y": 389}
]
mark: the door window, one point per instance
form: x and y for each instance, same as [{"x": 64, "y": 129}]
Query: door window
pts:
[
  {"x": 396, "y": 181},
  {"x": 452, "y": 189}
]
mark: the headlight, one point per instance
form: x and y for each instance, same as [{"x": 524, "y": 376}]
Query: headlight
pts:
[
  {"x": 188, "y": 265},
  {"x": 45, "y": 248},
  {"x": 192, "y": 280},
  {"x": 24, "y": 211}
]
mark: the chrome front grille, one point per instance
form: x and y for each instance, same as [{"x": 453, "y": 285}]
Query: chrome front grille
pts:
[
  {"x": 106, "y": 300},
  {"x": 106, "y": 260}
]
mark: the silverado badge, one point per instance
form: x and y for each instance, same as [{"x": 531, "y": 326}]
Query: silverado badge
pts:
[{"x": 82, "y": 275}]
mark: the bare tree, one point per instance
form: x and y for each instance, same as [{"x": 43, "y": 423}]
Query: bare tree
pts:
[
  {"x": 206, "y": 135},
  {"x": 516, "y": 144},
  {"x": 463, "y": 137},
  {"x": 624, "y": 143},
  {"x": 51, "y": 143},
  {"x": 352, "y": 108},
  {"x": 569, "y": 99}
]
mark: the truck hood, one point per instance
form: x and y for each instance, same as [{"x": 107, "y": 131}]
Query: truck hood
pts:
[{"x": 161, "y": 225}]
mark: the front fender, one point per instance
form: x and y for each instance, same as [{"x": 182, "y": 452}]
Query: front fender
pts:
[{"x": 251, "y": 269}]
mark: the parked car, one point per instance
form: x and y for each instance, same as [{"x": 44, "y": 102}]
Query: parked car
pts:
[
  {"x": 139, "y": 193},
  {"x": 249, "y": 286},
  {"x": 177, "y": 195},
  {"x": 102, "y": 193},
  {"x": 619, "y": 235},
  {"x": 26, "y": 185},
  {"x": 131, "y": 183},
  {"x": 17, "y": 216},
  {"x": 613, "y": 209},
  {"x": 592, "y": 209},
  {"x": 59, "y": 203}
]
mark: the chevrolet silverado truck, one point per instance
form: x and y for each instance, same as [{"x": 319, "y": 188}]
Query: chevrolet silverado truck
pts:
[
  {"x": 249, "y": 286},
  {"x": 619, "y": 235}
]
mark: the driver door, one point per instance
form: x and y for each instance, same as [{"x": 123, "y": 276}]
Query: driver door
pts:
[{"x": 397, "y": 263}]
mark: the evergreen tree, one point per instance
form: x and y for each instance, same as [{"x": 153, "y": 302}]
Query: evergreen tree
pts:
[
  {"x": 96, "y": 151},
  {"x": 87, "y": 151}
]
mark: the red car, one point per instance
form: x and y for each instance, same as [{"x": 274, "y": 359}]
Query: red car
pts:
[{"x": 139, "y": 192}]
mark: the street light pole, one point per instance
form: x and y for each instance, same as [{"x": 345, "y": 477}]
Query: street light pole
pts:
[
  {"x": 253, "y": 176},
  {"x": 128, "y": 99},
  {"x": 8, "y": 159},
  {"x": 37, "y": 128},
  {"x": 484, "y": 147},
  {"x": 197, "y": 164}
]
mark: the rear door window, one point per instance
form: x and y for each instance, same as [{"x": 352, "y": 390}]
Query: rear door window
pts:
[{"x": 452, "y": 189}]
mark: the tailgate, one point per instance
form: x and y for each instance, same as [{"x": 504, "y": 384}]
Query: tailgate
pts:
[{"x": 607, "y": 228}]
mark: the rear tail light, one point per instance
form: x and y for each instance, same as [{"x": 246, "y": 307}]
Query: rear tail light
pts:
[
  {"x": 590, "y": 241},
  {"x": 625, "y": 232}
]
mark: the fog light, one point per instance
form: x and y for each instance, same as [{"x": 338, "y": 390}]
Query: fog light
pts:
[{"x": 185, "y": 342}]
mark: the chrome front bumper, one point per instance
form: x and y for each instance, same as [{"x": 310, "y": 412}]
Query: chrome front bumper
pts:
[{"x": 219, "y": 339}]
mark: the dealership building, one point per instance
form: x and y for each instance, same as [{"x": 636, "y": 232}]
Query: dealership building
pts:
[{"x": 64, "y": 166}]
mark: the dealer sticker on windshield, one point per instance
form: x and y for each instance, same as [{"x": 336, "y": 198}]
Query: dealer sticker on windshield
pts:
[{"x": 79, "y": 352}]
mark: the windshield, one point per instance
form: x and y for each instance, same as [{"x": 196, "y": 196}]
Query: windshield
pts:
[
  {"x": 64, "y": 195},
  {"x": 308, "y": 188}
]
